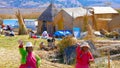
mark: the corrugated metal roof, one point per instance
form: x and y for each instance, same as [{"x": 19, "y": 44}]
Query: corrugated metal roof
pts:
[
  {"x": 48, "y": 14},
  {"x": 76, "y": 12},
  {"x": 104, "y": 10}
]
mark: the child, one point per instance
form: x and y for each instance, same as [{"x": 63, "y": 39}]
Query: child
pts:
[
  {"x": 83, "y": 56},
  {"x": 28, "y": 60},
  {"x": 42, "y": 45}
]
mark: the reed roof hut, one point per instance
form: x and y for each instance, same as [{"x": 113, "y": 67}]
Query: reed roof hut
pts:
[
  {"x": 46, "y": 20},
  {"x": 103, "y": 15},
  {"x": 68, "y": 18}
]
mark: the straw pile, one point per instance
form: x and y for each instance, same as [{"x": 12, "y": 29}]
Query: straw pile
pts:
[{"x": 22, "y": 27}]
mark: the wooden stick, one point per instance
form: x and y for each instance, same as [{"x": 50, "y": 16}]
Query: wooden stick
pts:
[
  {"x": 108, "y": 57},
  {"x": 35, "y": 42}
]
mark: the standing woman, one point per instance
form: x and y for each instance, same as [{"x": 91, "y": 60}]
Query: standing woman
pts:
[
  {"x": 28, "y": 58},
  {"x": 83, "y": 56}
]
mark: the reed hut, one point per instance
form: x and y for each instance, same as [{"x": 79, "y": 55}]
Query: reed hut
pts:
[
  {"x": 68, "y": 18},
  {"x": 114, "y": 25},
  {"x": 46, "y": 20},
  {"x": 103, "y": 15}
]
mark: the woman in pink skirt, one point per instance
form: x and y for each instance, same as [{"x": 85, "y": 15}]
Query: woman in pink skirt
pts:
[{"x": 84, "y": 56}]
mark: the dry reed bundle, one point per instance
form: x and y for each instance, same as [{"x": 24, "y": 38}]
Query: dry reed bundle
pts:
[
  {"x": 67, "y": 41},
  {"x": 22, "y": 27}
]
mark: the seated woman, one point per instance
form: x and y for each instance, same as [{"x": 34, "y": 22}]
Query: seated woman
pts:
[
  {"x": 8, "y": 28},
  {"x": 45, "y": 35},
  {"x": 83, "y": 56},
  {"x": 31, "y": 34},
  {"x": 43, "y": 47}
]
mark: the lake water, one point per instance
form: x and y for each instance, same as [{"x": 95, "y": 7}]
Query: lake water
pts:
[{"x": 30, "y": 23}]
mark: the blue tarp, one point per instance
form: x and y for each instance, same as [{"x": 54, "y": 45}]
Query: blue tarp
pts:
[{"x": 62, "y": 33}]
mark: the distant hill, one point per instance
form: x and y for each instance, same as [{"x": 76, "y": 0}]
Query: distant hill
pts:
[
  {"x": 22, "y": 10},
  {"x": 29, "y": 6},
  {"x": 58, "y": 3}
]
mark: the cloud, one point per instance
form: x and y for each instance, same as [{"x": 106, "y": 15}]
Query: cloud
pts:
[
  {"x": 30, "y": 3},
  {"x": 44, "y": 5},
  {"x": 114, "y": 5},
  {"x": 4, "y": 4},
  {"x": 76, "y": 2},
  {"x": 59, "y": 5},
  {"x": 61, "y": 0}
]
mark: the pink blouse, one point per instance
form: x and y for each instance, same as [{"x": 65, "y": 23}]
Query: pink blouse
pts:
[
  {"x": 31, "y": 60},
  {"x": 82, "y": 58}
]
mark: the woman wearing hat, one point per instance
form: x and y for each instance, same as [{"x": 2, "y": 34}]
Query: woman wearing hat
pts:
[
  {"x": 83, "y": 56},
  {"x": 28, "y": 59}
]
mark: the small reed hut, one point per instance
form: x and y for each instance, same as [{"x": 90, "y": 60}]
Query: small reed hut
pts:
[
  {"x": 68, "y": 18},
  {"x": 46, "y": 20},
  {"x": 103, "y": 15}
]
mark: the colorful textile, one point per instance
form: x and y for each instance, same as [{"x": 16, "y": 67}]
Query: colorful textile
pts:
[{"x": 31, "y": 60}]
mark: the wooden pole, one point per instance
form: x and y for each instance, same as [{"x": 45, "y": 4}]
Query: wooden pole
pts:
[{"x": 108, "y": 57}]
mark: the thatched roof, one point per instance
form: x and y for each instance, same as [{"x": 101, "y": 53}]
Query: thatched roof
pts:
[
  {"x": 48, "y": 14},
  {"x": 76, "y": 12},
  {"x": 104, "y": 10},
  {"x": 115, "y": 23}
]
